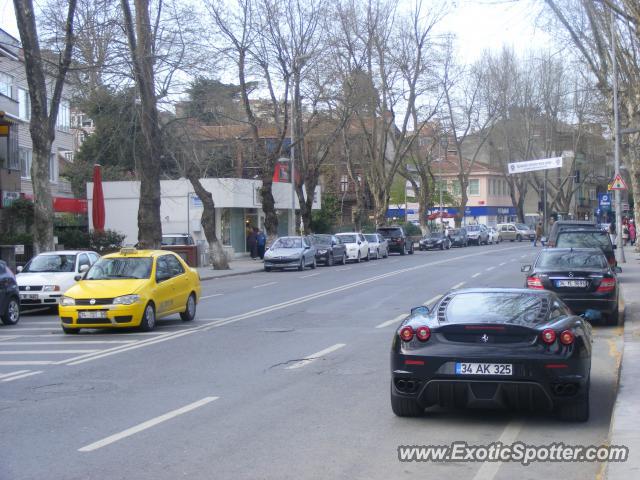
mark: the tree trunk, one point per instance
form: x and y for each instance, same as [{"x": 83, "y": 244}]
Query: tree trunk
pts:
[
  {"x": 42, "y": 199},
  {"x": 269, "y": 207},
  {"x": 141, "y": 48},
  {"x": 217, "y": 257}
]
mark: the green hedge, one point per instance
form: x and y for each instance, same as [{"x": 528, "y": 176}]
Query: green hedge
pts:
[{"x": 104, "y": 242}]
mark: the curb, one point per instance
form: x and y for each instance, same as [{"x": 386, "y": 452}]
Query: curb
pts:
[{"x": 231, "y": 274}]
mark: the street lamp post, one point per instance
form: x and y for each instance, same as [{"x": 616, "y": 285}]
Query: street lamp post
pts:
[{"x": 444, "y": 144}]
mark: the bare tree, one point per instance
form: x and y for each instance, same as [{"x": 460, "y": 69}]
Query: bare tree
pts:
[{"x": 44, "y": 113}]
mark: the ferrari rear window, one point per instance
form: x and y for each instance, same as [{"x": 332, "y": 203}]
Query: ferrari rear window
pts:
[{"x": 481, "y": 307}]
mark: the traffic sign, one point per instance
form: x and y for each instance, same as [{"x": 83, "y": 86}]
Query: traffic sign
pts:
[
  {"x": 618, "y": 183},
  {"x": 604, "y": 201}
]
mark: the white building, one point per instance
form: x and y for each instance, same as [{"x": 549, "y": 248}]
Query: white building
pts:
[{"x": 237, "y": 201}]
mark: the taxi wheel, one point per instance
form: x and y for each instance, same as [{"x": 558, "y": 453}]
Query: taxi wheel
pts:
[
  {"x": 148, "y": 321},
  {"x": 190, "y": 311},
  {"x": 70, "y": 331}
]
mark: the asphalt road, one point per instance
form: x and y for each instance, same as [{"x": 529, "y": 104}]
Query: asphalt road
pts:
[{"x": 282, "y": 375}]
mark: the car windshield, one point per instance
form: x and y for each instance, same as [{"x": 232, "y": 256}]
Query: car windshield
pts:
[
  {"x": 120, "y": 267},
  {"x": 390, "y": 232},
  {"x": 585, "y": 239},
  {"x": 51, "y": 263},
  {"x": 348, "y": 238},
  {"x": 562, "y": 260},
  {"x": 371, "y": 238},
  {"x": 321, "y": 239},
  {"x": 522, "y": 226},
  {"x": 472, "y": 307},
  {"x": 435, "y": 235},
  {"x": 288, "y": 242},
  {"x": 473, "y": 228}
]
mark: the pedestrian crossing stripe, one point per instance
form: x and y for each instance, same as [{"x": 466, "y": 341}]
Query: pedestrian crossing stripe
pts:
[{"x": 618, "y": 183}]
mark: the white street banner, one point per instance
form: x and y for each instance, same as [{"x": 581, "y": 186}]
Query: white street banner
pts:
[{"x": 533, "y": 165}]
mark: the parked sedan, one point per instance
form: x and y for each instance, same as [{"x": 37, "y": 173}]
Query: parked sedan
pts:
[
  {"x": 290, "y": 252},
  {"x": 458, "y": 237},
  {"x": 477, "y": 234},
  {"x": 329, "y": 249},
  {"x": 581, "y": 277},
  {"x": 9, "y": 296},
  {"x": 357, "y": 246},
  {"x": 497, "y": 348},
  {"x": 494, "y": 236},
  {"x": 378, "y": 245},
  {"x": 46, "y": 277},
  {"x": 435, "y": 240}
]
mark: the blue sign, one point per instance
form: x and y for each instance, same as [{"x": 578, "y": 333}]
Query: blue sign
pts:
[{"x": 604, "y": 200}]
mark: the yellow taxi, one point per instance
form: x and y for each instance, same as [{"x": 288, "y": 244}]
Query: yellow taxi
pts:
[{"x": 132, "y": 288}]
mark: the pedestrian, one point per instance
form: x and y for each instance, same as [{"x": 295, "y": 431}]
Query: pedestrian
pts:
[
  {"x": 625, "y": 234},
  {"x": 612, "y": 232},
  {"x": 261, "y": 241},
  {"x": 252, "y": 243},
  {"x": 539, "y": 231},
  {"x": 632, "y": 232}
]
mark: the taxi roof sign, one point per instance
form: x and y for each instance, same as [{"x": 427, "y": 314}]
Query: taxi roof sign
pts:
[
  {"x": 618, "y": 183},
  {"x": 128, "y": 250}
]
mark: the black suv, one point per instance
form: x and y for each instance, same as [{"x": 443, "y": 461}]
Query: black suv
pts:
[
  {"x": 398, "y": 240},
  {"x": 9, "y": 296}
]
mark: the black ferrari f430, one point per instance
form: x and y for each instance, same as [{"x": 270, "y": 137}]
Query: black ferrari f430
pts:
[{"x": 493, "y": 348}]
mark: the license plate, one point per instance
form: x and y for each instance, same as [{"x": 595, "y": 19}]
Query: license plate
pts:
[
  {"x": 28, "y": 296},
  {"x": 463, "y": 368},
  {"x": 571, "y": 283},
  {"x": 93, "y": 314}
]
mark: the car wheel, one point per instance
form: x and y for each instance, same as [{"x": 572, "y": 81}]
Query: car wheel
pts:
[
  {"x": 405, "y": 407},
  {"x": 368, "y": 257},
  {"x": 358, "y": 260},
  {"x": 442, "y": 246},
  {"x": 313, "y": 264},
  {"x": 377, "y": 254},
  {"x": 190, "y": 310},
  {"x": 70, "y": 331},
  {"x": 11, "y": 314},
  {"x": 386, "y": 253},
  {"x": 519, "y": 238},
  {"x": 331, "y": 261},
  {"x": 267, "y": 269},
  {"x": 344, "y": 258},
  {"x": 302, "y": 265},
  {"x": 404, "y": 250},
  {"x": 577, "y": 411},
  {"x": 148, "y": 321},
  {"x": 613, "y": 317},
  {"x": 411, "y": 249}
]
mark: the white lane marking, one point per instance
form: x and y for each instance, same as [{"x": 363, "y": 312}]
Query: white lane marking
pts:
[
  {"x": 488, "y": 470},
  {"x": 431, "y": 300},
  {"x": 458, "y": 285},
  {"x": 344, "y": 269},
  {"x": 70, "y": 342},
  {"x": 490, "y": 268},
  {"x": 392, "y": 321},
  {"x": 18, "y": 377},
  {"x": 26, "y": 362},
  {"x": 11, "y": 374},
  {"x": 2, "y": 339},
  {"x": 310, "y": 275},
  {"x": 475, "y": 275},
  {"x": 265, "y": 284},
  {"x": 522, "y": 256},
  {"x": 145, "y": 425},
  {"x": 42, "y": 352},
  {"x": 503, "y": 263},
  {"x": 211, "y": 296},
  {"x": 260, "y": 311},
  {"x": 33, "y": 329},
  {"x": 315, "y": 356}
]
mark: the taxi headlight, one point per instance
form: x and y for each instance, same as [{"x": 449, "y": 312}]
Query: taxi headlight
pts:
[
  {"x": 67, "y": 301},
  {"x": 126, "y": 300},
  {"x": 51, "y": 288}
]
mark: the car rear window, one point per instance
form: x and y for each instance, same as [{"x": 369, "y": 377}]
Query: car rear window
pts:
[
  {"x": 347, "y": 238},
  {"x": 473, "y": 228},
  {"x": 390, "y": 232},
  {"x": 321, "y": 239},
  {"x": 481, "y": 307},
  {"x": 585, "y": 239},
  {"x": 371, "y": 238},
  {"x": 561, "y": 260}
]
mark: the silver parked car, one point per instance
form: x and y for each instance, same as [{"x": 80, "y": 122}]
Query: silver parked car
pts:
[
  {"x": 378, "y": 245},
  {"x": 515, "y": 232},
  {"x": 290, "y": 252}
]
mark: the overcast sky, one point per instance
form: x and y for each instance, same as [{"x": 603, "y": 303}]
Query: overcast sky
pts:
[{"x": 478, "y": 24}]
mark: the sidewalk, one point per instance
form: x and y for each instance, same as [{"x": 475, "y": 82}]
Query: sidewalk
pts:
[
  {"x": 237, "y": 266},
  {"x": 625, "y": 423}
]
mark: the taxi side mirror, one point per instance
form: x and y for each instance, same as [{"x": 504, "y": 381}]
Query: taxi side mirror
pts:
[{"x": 77, "y": 278}]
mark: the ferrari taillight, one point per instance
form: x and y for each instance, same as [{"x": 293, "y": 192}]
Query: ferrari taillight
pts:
[
  {"x": 423, "y": 333},
  {"x": 406, "y": 334},
  {"x": 567, "y": 337},
  {"x": 548, "y": 336},
  {"x": 607, "y": 285},
  {"x": 534, "y": 283}
]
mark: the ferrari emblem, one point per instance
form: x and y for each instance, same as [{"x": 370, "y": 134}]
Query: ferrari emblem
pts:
[{"x": 484, "y": 338}]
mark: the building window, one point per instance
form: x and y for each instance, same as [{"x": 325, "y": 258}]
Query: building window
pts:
[
  {"x": 455, "y": 188},
  {"x": 6, "y": 81},
  {"x": 474, "y": 186},
  {"x": 25, "y": 162},
  {"x": 64, "y": 116},
  {"x": 344, "y": 183},
  {"x": 24, "y": 105}
]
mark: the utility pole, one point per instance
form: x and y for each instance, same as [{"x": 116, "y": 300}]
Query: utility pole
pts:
[
  {"x": 616, "y": 138},
  {"x": 292, "y": 172}
]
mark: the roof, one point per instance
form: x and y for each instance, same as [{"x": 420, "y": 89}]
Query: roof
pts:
[{"x": 66, "y": 252}]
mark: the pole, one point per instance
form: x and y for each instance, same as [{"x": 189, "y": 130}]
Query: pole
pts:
[
  {"x": 544, "y": 203},
  {"x": 616, "y": 139},
  {"x": 292, "y": 176}
]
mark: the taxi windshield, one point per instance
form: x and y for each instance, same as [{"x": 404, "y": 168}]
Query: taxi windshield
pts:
[{"x": 120, "y": 267}]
